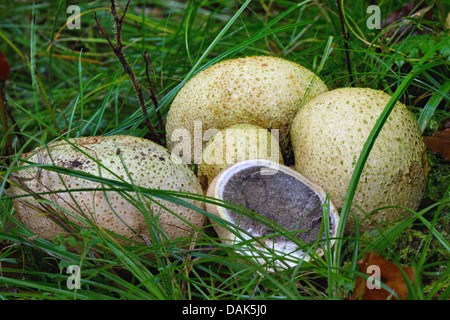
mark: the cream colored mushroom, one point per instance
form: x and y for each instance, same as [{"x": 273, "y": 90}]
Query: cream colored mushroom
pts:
[
  {"x": 328, "y": 135},
  {"x": 236, "y": 143},
  {"x": 261, "y": 90},
  {"x": 80, "y": 201}
]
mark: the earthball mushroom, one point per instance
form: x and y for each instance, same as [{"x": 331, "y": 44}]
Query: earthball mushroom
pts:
[
  {"x": 237, "y": 143},
  {"x": 48, "y": 198},
  {"x": 285, "y": 214},
  {"x": 262, "y": 90},
  {"x": 328, "y": 135}
]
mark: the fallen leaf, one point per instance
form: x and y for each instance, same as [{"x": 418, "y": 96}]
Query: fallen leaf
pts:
[
  {"x": 4, "y": 68},
  {"x": 377, "y": 267},
  {"x": 439, "y": 143},
  {"x": 414, "y": 10}
]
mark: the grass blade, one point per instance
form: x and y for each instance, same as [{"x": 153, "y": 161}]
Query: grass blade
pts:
[{"x": 432, "y": 104}]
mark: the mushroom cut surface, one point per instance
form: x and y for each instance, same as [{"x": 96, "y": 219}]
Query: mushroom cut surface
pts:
[{"x": 277, "y": 196}]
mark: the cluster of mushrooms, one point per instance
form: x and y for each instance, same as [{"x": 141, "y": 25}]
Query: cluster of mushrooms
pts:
[{"x": 236, "y": 120}]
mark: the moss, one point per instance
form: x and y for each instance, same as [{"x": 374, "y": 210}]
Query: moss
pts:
[
  {"x": 438, "y": 179},
  {"x": 38, "y": 260},
  {"x": 408, "y": 246},
  {"x": 408, "y": 249}
]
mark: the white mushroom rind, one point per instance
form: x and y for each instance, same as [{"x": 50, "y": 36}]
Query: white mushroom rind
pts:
[{"x": 288, "y": 249}]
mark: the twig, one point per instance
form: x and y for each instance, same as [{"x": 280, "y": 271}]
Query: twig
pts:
[
  {"x": 346, "y": 37},
  {"x": 118, "y": 51},
  {"x": 148, "y": 62}
]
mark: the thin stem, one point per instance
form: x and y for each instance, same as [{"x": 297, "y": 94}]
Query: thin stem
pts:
[
  {"x": 346, "y": 37},
  {"x": 148, "y": 63},
  {"x": 118, "y": 51}
]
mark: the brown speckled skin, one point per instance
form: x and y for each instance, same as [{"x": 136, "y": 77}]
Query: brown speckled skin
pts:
[
  {"x": 261, "y": 90},
  {"x": 128, "y": 158},
  {"x": 328, "y": 135}
]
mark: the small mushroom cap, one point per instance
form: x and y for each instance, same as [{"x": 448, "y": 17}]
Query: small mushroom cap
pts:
[
  {"x": 277, "y": 193},
  {"x": 237, "y": 143},
  {"x": 328, "y": 135},
  {"x": 262, "y": 90},
  {"x": 134, "y": 160}
]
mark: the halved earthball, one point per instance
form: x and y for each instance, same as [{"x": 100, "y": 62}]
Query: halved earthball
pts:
[{"x": 285, "y": 212}]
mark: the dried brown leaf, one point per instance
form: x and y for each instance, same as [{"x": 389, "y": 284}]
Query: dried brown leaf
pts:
[
  {"x": 412, "y": 9},
  {"x": 439, "y": 143},
  {"x": 389, "y": 274}
]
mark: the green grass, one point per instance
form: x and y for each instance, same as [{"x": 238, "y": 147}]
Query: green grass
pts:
[{"x": 69, "y": 83}]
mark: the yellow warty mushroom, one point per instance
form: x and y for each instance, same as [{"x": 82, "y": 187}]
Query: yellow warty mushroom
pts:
[
  {"x": 261, "y": 90},
  {"x": 328, "y": 135}
]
